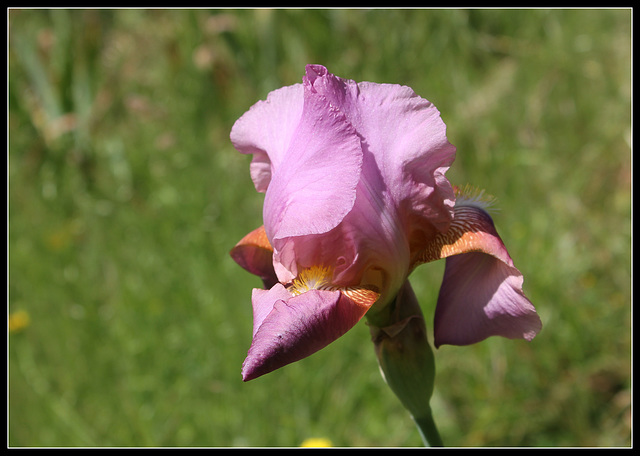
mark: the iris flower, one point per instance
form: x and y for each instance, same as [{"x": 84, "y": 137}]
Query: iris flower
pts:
[{"x": 355, "y": 198}]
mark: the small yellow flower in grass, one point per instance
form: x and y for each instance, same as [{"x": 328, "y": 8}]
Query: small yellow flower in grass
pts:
[
  {"x": 316, "y": 442},
  {"x": 18, "y": 320}
]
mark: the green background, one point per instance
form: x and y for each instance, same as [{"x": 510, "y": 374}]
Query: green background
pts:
[{"x": 125, "y": 196}]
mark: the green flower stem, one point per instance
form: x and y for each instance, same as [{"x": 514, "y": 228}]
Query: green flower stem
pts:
[
  {"x": 406, "y": 359},
  {"x": 428, "y": 431}
]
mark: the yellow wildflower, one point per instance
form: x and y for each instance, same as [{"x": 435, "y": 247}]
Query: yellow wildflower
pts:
[
  {"x": 18, "y": 320},
  {"x": 316, "y": 442}
]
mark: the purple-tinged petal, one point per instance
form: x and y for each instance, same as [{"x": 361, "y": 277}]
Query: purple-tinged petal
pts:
[
  {"x": 254, "y": 253},
  {"x": 481, "y": 293},
  {"x": 482, "y": 296},
  {"x": 289, "y": 328}
]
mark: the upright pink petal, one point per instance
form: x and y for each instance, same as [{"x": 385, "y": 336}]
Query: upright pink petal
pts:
[
  {"x": 405, "y": 145},
  {"x": 266, "y": 131},
  {"x": 314, "y": 187},
  {"x": 288, "y": 328}
]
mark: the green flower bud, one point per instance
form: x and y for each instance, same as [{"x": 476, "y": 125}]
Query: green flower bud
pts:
[{"x": 406, "y": 359}]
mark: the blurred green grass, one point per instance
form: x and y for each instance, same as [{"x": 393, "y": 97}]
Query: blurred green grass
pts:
[{"x": 125, "y": 196}]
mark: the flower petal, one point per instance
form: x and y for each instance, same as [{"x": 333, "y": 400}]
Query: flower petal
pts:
[
  {"x": 482, "y": 296},
  {"x": 288, "y": 328},
  {"x": 405, "y": 142},
  {"x": 481, "y": 293},
  {"x": 255, "y": 254},
  {"x": 315, "y": 185},
  {"x": 263, "y": 302},
  {"x": 472, "y": 230},
  {"x": 407, "y": 137},
  {"x": 266, "y": 131},
  {"x": 402, "y": 190}
]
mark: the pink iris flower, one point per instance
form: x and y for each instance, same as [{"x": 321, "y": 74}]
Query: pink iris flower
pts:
[{"x": 355, "y": 198}]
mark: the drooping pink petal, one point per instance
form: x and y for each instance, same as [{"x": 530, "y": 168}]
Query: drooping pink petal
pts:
[
  {"x": 481, "y": 293},
  {"x": 289, "y": 328},
  {"x": 482, "y": 296}
]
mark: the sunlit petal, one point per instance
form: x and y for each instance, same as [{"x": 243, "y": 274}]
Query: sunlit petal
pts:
[
  {"x": 314, "y": 187},
  {"x": 288, "y": 328}
]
